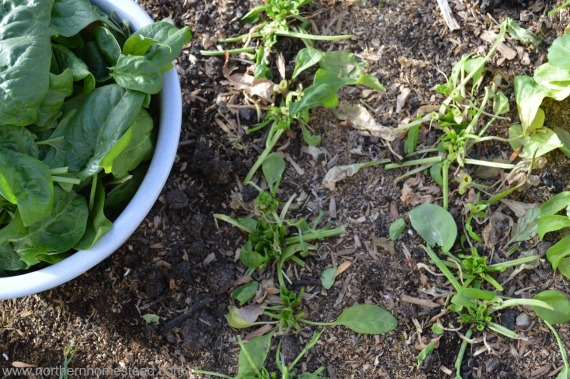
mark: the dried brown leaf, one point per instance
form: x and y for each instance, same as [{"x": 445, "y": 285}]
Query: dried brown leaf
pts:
[
  {"x": 342, "y": 268},
  {"x": 363, "y": 121},
  {"x": 261, "y": 88},
  {"x": 250, "y": 313}
]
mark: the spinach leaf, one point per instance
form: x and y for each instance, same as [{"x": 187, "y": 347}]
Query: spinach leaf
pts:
[
  {"x": 25, "y": 57},
  {"x": 69, "y": 17},
  {"x": 107, "y": 43},
  {"x": 134, "y": 147},
  {"x": 60, "y": 87},
  {"x": 68, "y": 60},
  {"x": 172, "y": 38},
  {"x": 95, "y": 127},
  {"x": 137, "y": 73},
  {"x": 26, "y": 182},
  {"x": 9, "y": 259},
  {"x": 18, "y": 139},
  {"x": 55, "y": 234}
]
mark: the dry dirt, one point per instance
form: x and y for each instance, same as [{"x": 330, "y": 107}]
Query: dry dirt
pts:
[{"x": 180, "y": 264}]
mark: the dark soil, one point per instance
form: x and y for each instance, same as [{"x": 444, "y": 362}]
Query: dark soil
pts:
[{"x": 180, "y": 263}]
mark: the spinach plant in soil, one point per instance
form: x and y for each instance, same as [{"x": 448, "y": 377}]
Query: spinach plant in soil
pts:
[
  {"x": 271, "y": 241},
  {"x": 76, "y": 92},
  {"x": 476, "y": 294}
]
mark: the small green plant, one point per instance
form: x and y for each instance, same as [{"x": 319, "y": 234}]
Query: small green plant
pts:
[
  {"x": 336, "y": 70},
  {"x": 461, "y": 120},
  {"x": 253, "y": 356},
  {"x": 68, "y": 356},
  {"x": 550, "y": 220},
  {"x": 476, "y": 293},
  {"x": 280, "y": 16},
  {"x": 550, "y": 80},
  {"x": 269, "y": 231}
]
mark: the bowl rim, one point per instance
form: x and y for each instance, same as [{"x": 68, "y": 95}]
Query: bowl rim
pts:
[{"x": 170, "y": 100}]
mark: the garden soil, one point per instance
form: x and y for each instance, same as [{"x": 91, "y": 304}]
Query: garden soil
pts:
[{"x": 180, "y": 264}]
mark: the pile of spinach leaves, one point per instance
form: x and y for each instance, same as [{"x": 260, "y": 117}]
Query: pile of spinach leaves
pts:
[{"x": 75, "y": 127}]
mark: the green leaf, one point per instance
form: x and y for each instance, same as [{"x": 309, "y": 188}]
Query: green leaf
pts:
[
  {"x": 552, "y": 77},
  {"x": 107, "y": 43},
  {"x": 137, "y": 44},
  {"x": 60, "y": 87},
  {"x": 370, "y": 81},
  {"x": 559, "y": 51},
  {"x": 273, "y": 168},
  {"x": 564, "y": 137},
  {"x": 551, "y": 223},
  {"x": 101, "y": 119},
  {"x": 9, "y": 259},
  {"x": 252, "y": 356},
  {"x": 24, "y": 60},
  {"x": 236, "y": 319},
  {"x": 322, "y": 93},
  {"x": 327, "y": 277},
  {"x": 134, "y": 147},
  {"x": 367, "y": 319},
  {"x": 435, "y": 225},
  {"x": 412, "y": 139},
  {"x": 18, "y": 139},
  {"x": 521, "y": 34},
  {"x": 426, "y": 352},
  {"x": 151, "y": 318},
  {"x": 245, "y": 293},
  {"x": 555, "y": 204},
  {"x": 564, "y": 267},
  {"x": 137, "y": 73},
  {"x": 69, "y": 17},
  {"x": 501, "y": 104},
  {"x": 558, "y": 301},
  {"x": 526, "y": 226},
  {"x": 397, "y": 228},
  {"x": 529, "y": 95},
  {"x": 306, "y": 58},
  {"x": 57, "y": 233},
  {"x": 564, "y": 374},
  {"x": 535, "y": 145},
  {"x": 26, "y": 182},
  {"x": 558, "y": 251},
  {"x": 172, "y": 40}
]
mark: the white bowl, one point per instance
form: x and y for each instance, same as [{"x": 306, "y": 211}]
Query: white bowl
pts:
[{"x": 135, "y": 212}]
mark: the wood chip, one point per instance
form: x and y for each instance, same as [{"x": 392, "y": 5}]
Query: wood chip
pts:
[
  {"x": 421, "y": 302},
  {"x": 506, "y": 51},
  {"x": 448, "y": 15}
]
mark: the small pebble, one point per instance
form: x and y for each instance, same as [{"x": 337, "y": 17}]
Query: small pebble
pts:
[
  {"x": 492, "y": 365},
  {"x": 523, "y": 320}
]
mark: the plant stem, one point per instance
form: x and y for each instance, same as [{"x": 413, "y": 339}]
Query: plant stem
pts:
[
  {"x": 63, "y": 179},
  {"x": 239, "y": 38},
  {"x": 557, "y": 9},
  {"x": 269, "y": 145},
  {"x": 233, "y": 222},
  {"x": 559, "y": 341},
  {"x": 506, "y": 166},
  {"x": 316, "y": 235},
  {"x": 314, "y": 37},
  {"x": 210, "y": 373},
  {"x": 461, "y": 354},
  {"x": 213, "y": 53},
  {"x": 443, "y": 268},
  {"x": 445, "y": 183},
  {"x": 415, "y": 162}
]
